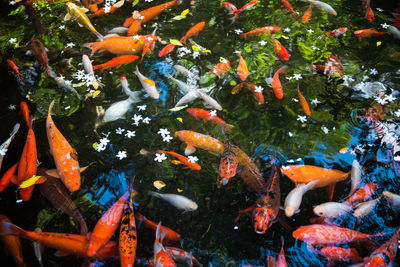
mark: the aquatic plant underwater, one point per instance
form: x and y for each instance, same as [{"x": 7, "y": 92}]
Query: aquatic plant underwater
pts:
[{"x": 258, "y": 133}]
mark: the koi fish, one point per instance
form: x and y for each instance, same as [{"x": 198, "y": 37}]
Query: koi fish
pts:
[
  {"x": 78, "y": 13},
  {"x": 328, "y": 70},
  {"x": 242, "y": 70},
  {"x": 134, "y": 96},
  {"x": 341, "y": 254},
  {"x": 246, "y": 7},
  {"x": 281, "y": 261},
  {"x": 106, "y": 226},
  {"x": 394, "y": 31},
  {"x": 135, "y": 25},
  {"x": 268, "y": 203},
  {"x": 87, "y": 65},
  {"x": 166, "y": 50},
  {"x": 333, "y": 209},
  {"x": 184, "y": 87},
  {"x": 335, "y": 33},
  {"x": 365, "y": 208},
  {"x": 365, "y": 33},
  {"x": 11, "y": 243},
  {"x": 118, "y": 30},
  {"x": 63, "y": 84},
  {"x": 189, "y": 97},
  {"x": 294, "y": 198},
  {"x": 181, "y": 256},
  {"x": 304, "y": 103},
  {"x": 323, "y": 6},
  {"x": 221, "y": 68},
  {"x": 14, "y": 68},
  {"x": 161, "y": 257},
  {"x": 194, "y": 31},
  {"x": 318, "y": 234},
  {"x": 364, "y": 193},
  {"x": 334, "y": 61},
  {"x": 8, "y": 177},
  {"x": 232, "y": 10},
  {"x": 276, "y": 83},
  {"x": 69, "y": 243},
  {"x": 178, "y": 201},
  {"x": 210, "y": 102},
  {"x": 289, "y": 7},
  {"x": 170, "y": 235},
  {"x": 261, "y": 31},
  {"x": 25, "y": 112},
  {"x": 118, "y": 110},
  {"x": 65, "y": 157},
  {"x": 369, "y": 14},
  {"x": 186, "y": 72},
  {"x": 356, "y": 174},
  {"x": 193, "y": 140},
  {"x": 385, "y": 255},
  {"x": 116, "y": 62},
  {"x": 258, "y": 95},
  {"x": 148, "y": 85},
  {"x": 280, "y": 50},
  {"x": 119, "y": 45},
  {"x": 92, "y": 4},
  {"x": 191, "y": 165},
  {"x": 39, "y": 51},
  {"x": 307, "y": 15},
  {"x": 201, "y": 114},
  {"x": 393, "y": 199},
  {"x": 229, "y": 8},
  {"x": 228, "y": 164},
  {"x": 149, "y": 41},
  {"x": 107, "y": 10},
  {"x": 4, "y": 146}
]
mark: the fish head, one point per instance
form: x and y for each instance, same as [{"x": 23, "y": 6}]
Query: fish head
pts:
[
  {"x": 289, "y": 171},
  {"x": 70, "y": 6},
  {"x": 261, "y": 220},
  {"x": 319, "y": 211},
  {"x": 193, "y": 206}
]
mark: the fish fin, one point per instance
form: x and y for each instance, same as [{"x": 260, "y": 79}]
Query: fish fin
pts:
[
  {"x": 88, "y": 236},
  {"x": 41, "y": 180},
  {"x": 13, "y": 229},
  {"x": 80, "y": 25},
  {"x": 53, "y": 173},
  {"x": 14, "y": 179},
  {"x": 190, "y": 149},
  {"x": 99, "y": 35},
  {"x": 331, "y": 190},
  {"x": 60, "y": 253},
  {"x": 152, "y": 193},
  {"x": 67, "y": 17}
]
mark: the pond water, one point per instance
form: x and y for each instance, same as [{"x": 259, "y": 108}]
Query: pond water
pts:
[{"x": 339, "y": 129}]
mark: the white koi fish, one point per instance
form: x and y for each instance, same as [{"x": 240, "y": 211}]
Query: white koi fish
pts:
[
  {"x": 125, "y": 87},
  {"x": 6, "y": 144},
  {"x": 186, "y": 72},
  {"x": 118, "y": 30},
  {"x": 365, "y": 208},
  {"x": 293, "y": 199},
  {"x": 184, "y": 87},
  {"x": 323, "y": 6},
  {"x": 394, "y": 31},
  {"x": 87, "y": 65},
  {"x": 333, "y": 209},
  {"x": 393, "y": 199},
  {"x": 148, "y": 85},
  {"x": 356, "y": 174},
  {"x": 178, "y": 201}
]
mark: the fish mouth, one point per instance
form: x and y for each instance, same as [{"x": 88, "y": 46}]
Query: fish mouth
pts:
[
  {"x": 225, "y": 181},
  {"x": 259, "y": 232}
]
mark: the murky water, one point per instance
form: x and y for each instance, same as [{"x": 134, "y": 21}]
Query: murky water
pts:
[{"x": 337, "y": 123}]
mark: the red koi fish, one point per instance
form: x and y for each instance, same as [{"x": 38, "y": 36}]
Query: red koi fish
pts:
[
  {"x": 246, "y": 7},
  {"x": 149, "y": 41},
  {"x": 307, "y": 15},
  {"x": 261, "y": 31},
  {"x": 242, "y": 70},
  {"x": 335, "y": 33},
  {"x": 116, "y": 62},
  {"x": 106, "y": 226},
  {"x": 229, "y": 8},
  {"x": 11, "y": 243},
  {"x": 161, "y": 257},
  {"x": 328, "y": 70},
  {"x": 25, "y": 112},
  {"x": 267, "y": 206},
  {"x": 193, "y": 140},
  {"x": 191, "y": 165},
  {"x": 14, "y": 68},
  {"x": 194, "y": 31},
  {"x": 170, "y": 235},
  {"x": 385, "y": 255},
  {"x": 334, "y": 61},
  {"x": 229, "y": 163},
  {"x": 201, "y": 114},
  {"x": 166, "y": 50},
  {"x": 341, "y": 254},
  {"x": 369, "y": 14},
  {"x": 221, "y": 68},
  {"x": 8, "y": 177},
  {"x": 276, "y": 83},
  {"x": 232, "y": 10},
  {"x": 363, "y": 194},
  {"x": 289, "y": 7},
  {"x": 181, "y": 256},
  {"x": 38, "y": 49},
  {"x": 319, "y": 235},
  {"x": 304, "y": 103},
  {"x": 280, "y": 50},
  {"x": 257, "y": 94},
  {"x": 365, "y": 33}
]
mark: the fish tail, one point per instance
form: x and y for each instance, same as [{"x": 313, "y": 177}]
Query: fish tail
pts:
[
  {"x": 84, "y": 229},
  {"x": 50, "y": 108},
  {"x": 136, "y": 71},
  {"x": 94, "y": 46},
  {"x": 152, "y": 193},
  {"x": 158, "y": 232},
  {"x": 14, "y": 230},
  {"x": 140, "y": 217}
]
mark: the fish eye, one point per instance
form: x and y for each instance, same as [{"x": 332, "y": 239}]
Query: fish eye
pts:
[{"x": 320, "y": 213}]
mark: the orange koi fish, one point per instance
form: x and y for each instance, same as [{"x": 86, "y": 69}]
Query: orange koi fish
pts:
[
  {"x": 183, "y": 159},
  {"x": 318, "y": 234},
  {"x": 242, "y": 70},
  {"x": 149, "y": 41},
  {"x": 11, "y": 243},
  {"x": 161, "y": 257},
  {"x": 336, "y": 33},
  {"x": 221, "y": 68},
  {"x": 229, "y": 163},
  {"x": 38, "y": 49},
  {"x": 341, "y": 254},
  {"x": 68, "y": 243},
  {"x": 334, "y": 61},
  {"x": 365, "y": 33},
  {"x": 307, "y": 15},
  {"x": 25, "y": 112},
  {"x": 289, "y": 7},
  {"x": 181, "y": 256},
  {"x": 170, "y": 235},
  {"x": 166, "y": 50},
  {"x": 246, "y": 7},
  {"x": 106, "y": 226},
  {"x": 201, "y": 114},
  {"x": 280, "y": 50},
  {"x": 65, "y": 157},
  {"x": 369, "y": 14},
  {"x": 385, "y": 255},
  {"x": 258, "y": 95},
  {"x": 8, "y": 177},
  {"x": 104, "y": 11},
  {"x": 276, "y": 83},
  {"x": 119, "y": 45},
  {"x": 364, "y": 193},
  {"x": 135, "y": 25},
  {"x": 14, "y": 68},
  {"x": 194, "y": 31},
  {"x": 116, "y": 62},
  {"x": 304, "y": 103},
  {"x": 261, "y": 31},
  {"x": 193, "y": 140},
  {"x": 268, "y": 203},
  {"x": 328, "y": 70}
]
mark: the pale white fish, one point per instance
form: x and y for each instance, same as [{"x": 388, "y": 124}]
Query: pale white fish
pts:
[
  {"x": 332, "y": 209},
  {"x": 356, "y": 174},
  {"x": 118, "y": 110},
  {"x": 87, "y": 65},
  {"x": 178, "y": 201},
  {"x": 209, "y": 100},
  {"x": 38, "y": 248},
  {"x": 323, "y": 6},
  {"x": 394, "y": 31},
  {"x": 293, "y": 199},
  {"x": 119, "y": 30},
  {"x": 184, "y": 87},
  {"x": 393, "y": 199},
  {"x": 178, "y": 108},
  {"x": 186, "y": 72},
  {"x": 148, "y": 85},
  {"x": 111, "y": 35},
  {"x": 134, "y": 96},
  {"x": 188, "y": 98},
  {"x": 7, "y": 143},
  {"x": 64, "y": 85},
  {"x": 365, "y": 208}
]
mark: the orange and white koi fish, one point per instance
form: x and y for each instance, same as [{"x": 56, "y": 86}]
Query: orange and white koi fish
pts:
[
  {"x": 246, "y": 7},
  {"x": 385, "y": 255},
  {"x": 193, "y": 140},
  {"x": 161, "y": 257},
  {"x": 11, "y": 243},
  {"x": 261, "y": 31},
  {"x": 340, "y": 254},
  {"x": 242, "y": 70},
  {"x": 181, "y": 256},
  {"x": 328, "y": 70},
  {"x": 289, "y": 7},
  {"x": 221, "y": 68},
  {"x": 116, "y": 62},
  {"x": 191, "y": 165},
  {"x": 194, "y": 31},
  {"x": 304, "y": 103},
  {"x": 4, "y": 146},
  {"x": 276, "y": 83},
  {"x": 169, "y": 234},
  {"x": 229, "y": 163},
  {"x": 107, "y": 10},
  {"x": 365, "y": 33},
  {"x": 166, "y": 50},
  {"x": 307, "y": 15},
  {"x": 280, "y": 50},
  {"x": 364, "y": 193},
  {"x": 334, "y": 61},
  {"x": 65, "y": 157},
  {"x": 319, "y": 235},
  {"x": 120, "y": 45},
  {"x": 148, "y": 85},
  {"x": 232, "y": 10},
  {"x": 335, "y": 33},
  {"x": 369, "y": 14},
  {"x": 14, "y": 68},
  {"x": 201, "y": 114}
]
